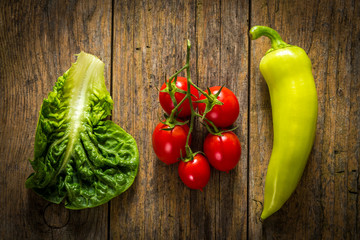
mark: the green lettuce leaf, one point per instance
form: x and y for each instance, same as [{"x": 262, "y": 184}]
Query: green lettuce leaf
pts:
[{"x": 79, "y": 158}]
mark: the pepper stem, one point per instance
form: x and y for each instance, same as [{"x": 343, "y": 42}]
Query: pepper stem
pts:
[{"x": 275, "y": 38}]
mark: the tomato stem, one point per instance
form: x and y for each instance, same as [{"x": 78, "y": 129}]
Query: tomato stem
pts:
[
  {"x": 171, "y": 119},
  {"x": 200, "y": 90},
  {"x": 172, "y": 115},
  {"x": 177, "y": 73},
  {"x": 187, "y": 66},
  {"x": 188, "y": 96},
  {"x": 171, "y": 91},
  {"x": 208, "y": 121}
]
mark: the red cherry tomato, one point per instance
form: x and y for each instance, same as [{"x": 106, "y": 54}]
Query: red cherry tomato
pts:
[
  {"x": 167, "y": 145},
  {"x": 168, "y": 105},
  {"x": 222, "y": 152},
  {"x": 196, "y": 173},
  {"x": 222, "y": 115}
]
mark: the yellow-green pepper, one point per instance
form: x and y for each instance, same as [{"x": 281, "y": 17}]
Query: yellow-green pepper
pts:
[{"x": 288, "y": 73}]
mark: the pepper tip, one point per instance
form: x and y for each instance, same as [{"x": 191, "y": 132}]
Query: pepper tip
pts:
[{"x": 263, "y": 216}]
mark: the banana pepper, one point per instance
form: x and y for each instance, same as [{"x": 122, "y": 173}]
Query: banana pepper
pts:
[{"x": 288, "y": 73}]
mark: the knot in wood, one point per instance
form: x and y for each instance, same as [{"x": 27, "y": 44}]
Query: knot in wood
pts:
[{"x": 56, "y": 215}]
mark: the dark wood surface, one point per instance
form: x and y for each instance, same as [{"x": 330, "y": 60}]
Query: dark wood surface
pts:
[{"x": 142, "y": 43}]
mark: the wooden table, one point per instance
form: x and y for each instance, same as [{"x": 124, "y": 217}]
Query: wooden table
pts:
[{"x": 142, "y": 43}]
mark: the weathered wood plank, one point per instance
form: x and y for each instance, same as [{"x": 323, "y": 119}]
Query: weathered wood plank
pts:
[
  {"x": 353, "y": 164},
  {"x": 38, "y": 41},
  {"x": 323, "y": 205},
  {"x": 233, "y": 61},
  {"x": 341, "y": 69},
  {"x": 205, "y": 207},
  {"x": 149, "y": 45}
]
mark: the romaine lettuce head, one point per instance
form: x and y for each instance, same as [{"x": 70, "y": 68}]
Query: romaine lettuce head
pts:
[{"x": 79, "y": 157}]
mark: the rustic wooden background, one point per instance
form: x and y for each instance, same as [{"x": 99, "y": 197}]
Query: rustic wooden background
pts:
[{"x": 142, "y": 42}]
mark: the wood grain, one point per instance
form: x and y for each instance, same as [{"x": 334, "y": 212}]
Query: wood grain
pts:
[
  {"x": 38, "y": 41},
  {"x": 142, "y": 42},
  {"x": 149, "y": 45},
  {"x": 205, "y": 208},
  {"x": 234, "y": 74}
]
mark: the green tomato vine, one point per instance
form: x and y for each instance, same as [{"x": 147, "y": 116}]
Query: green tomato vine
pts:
[{"x": 210, "y": 101}]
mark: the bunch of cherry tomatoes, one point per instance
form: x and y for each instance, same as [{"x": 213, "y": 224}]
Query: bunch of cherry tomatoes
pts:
[{"x": 218, "y": 107}]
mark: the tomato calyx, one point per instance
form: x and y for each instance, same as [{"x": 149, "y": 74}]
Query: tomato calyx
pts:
[
  {"x": 171, "y": 89},
  {"x": 172, "y": 122},
  {"x": 190, "y": 155},
  {"x": 210, "y": 101},
  {"x": 215, "y": 131}
]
